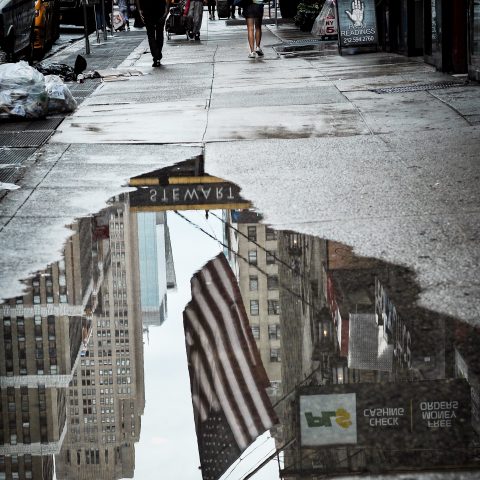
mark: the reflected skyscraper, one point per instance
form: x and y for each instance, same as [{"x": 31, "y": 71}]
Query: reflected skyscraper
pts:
[
  {"x": 157, "y": 272},
  {"x": 42, "y": 333},
  {"x": 106, "y": 399}
]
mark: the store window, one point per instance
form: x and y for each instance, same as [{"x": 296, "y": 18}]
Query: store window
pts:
[{"x": 475, "y": 26}]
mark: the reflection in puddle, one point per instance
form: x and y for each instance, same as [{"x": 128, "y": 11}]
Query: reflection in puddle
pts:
[{"x": 361, "y": 378}]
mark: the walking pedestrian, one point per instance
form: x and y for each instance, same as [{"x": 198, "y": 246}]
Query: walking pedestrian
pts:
[
  {"x": 253, "y": 13},
  {"x": 153, "y": 14},
  {"x": 211, "y": 9},
  {"x": 101, "y": 22},
  {"x": 232, "y": 8},
  {"x": 195, "y": 14},
  {"x": 124, "y": 8}
]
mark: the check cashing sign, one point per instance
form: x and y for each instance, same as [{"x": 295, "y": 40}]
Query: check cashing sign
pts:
[
  {"x": 410, "y": 415},
  {"x": 357, "y": 23}
]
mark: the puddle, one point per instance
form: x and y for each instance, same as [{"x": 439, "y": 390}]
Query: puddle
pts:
[{"x": 95, "y": 379}]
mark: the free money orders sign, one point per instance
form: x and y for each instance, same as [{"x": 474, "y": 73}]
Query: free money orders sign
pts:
[
  {"x": 357, "y": 23},
  {"x": 390, "y": 415}
]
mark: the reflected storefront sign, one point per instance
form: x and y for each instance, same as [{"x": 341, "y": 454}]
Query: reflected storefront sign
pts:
[
  {"x": 392, "y": 416},
  {"x": 191, "y": 196}
]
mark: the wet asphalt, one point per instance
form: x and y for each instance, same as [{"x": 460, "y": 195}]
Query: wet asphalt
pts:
[{"x": 378, "y": 151}]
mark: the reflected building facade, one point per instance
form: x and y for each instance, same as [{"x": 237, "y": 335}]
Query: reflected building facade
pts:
[
  {"x": 157, "y": 271},
  {"x": 352, "y": 329},
  {"x": 106, "y": 397},
  {"x": 42, "y": 334},
  {"x": 257, "y": 272}
]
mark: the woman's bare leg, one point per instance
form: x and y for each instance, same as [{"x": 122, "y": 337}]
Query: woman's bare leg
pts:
[
  {"x": 250, "y": 30},
  {"x": 258, "y": 31}
]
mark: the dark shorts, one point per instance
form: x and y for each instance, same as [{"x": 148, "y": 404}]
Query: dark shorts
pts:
[{"x": 254, "y": 10}]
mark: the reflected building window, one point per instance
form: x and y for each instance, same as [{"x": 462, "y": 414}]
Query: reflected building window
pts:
[
  {"x": 273, "y": 307},
  {"x": 270, "y": 257},
  {"x": 270, "y": 234},
  {"x": 254, "y": 307},
  {"x": 253, "y": 283},
  {"x": 275, "y": 355},
  {"x": 274, "y": 331},
  {"x": 252, "y": 257},
  {"x": 252, "y": 233},
  {"x": 256, "y": 331},
  {"x": 272, "y": 282}
]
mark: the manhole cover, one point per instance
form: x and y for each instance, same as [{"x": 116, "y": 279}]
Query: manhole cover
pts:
[{"x": 418, "y": 88}]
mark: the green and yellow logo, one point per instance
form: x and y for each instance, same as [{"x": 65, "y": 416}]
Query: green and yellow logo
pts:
[{"x": 342, "y": 418}]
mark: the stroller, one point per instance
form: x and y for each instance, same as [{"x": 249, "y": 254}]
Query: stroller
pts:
[{"x": 176, "y": 23}]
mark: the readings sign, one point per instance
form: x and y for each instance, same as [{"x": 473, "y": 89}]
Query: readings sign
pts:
[{"x": 357, "y": 23}]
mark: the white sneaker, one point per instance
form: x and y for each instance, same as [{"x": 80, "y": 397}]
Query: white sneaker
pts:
[
  {"x": 259, "y": 52},
  {"x": 252, "y": 55}
]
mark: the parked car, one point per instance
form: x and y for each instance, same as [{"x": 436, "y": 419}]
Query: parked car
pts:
[
  {"x": 47, "y": 26},
  {"x": 16, "y": 27}
]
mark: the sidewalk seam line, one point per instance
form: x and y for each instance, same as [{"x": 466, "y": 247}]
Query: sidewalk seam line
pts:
[{"x": 34, "y": 189}]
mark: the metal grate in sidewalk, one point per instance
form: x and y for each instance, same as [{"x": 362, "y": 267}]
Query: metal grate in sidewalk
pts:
[
  {"x": 418, "y": 88},
  {"x": 10, "y": 174},
  {"x": 24, "y": 139},
  {"x": 15, "y": 156}
]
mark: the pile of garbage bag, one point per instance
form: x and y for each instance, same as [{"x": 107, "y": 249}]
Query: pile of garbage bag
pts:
[
  {"x": 64, "y": 71},
  {"x": 60, "y": 99},
  {"x": 26, "y": 93}
]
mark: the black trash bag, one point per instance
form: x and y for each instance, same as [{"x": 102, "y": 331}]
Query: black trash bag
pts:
[{"x": 65, "y": 72}]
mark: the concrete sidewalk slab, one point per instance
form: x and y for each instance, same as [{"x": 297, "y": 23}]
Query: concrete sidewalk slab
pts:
[
  {"x": 292, "y": 121},
  {"x": 140, "y": 123},
  {"x": 389, "y": 113}
]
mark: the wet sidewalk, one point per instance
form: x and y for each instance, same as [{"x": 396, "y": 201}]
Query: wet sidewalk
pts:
[{"x": 377, "y": 151}]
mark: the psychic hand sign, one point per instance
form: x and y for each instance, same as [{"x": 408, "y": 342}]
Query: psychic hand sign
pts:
[{"x": 357, "y": 13}]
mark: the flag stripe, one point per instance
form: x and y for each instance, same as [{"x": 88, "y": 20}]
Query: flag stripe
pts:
[
  {"x": 227, "y": 377},
  {"x": 199, "y": 363},
  {"x": 231, "y": 362},
  {"x": 255, "y": 398},
  {"x": 224, "y": 277},
  {"x": 228, "y": 400}
]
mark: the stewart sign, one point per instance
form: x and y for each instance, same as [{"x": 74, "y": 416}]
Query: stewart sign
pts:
[{"x": 190, "y": 196}]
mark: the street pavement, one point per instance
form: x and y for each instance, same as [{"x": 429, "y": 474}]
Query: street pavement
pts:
[{"x": 316, "y": 140}]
